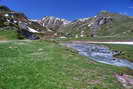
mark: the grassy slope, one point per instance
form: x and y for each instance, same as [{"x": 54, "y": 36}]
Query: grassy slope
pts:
[
  {"x": 8, "y": 35},
  {"x": 127, "y": 50},
  {"x": 126, "y": 38},
  {"x": 45, "y": 65},
  {"x": 121, "y": 28}
]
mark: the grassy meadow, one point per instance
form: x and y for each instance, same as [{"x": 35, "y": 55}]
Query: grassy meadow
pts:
[{"x": 48, "y": 65}]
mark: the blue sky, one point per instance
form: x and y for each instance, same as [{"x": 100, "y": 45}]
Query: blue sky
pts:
[{"x": 69, "y": 9}]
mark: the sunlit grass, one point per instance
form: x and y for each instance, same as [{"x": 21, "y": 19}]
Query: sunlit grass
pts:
[
  {"x": 8, "y": 35},
  {"x": 48, "y": 65}
]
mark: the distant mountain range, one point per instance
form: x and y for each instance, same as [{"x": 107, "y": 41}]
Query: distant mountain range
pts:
[{"x": 104, "y": 24}]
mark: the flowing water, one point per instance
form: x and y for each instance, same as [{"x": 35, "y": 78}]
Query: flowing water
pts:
[{"x": 100, "y": 53}]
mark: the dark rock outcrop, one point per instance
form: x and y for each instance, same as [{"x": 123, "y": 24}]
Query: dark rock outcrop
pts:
[
  {"x": 25, "y": 27},
  {"x": 4, "y": 9}
]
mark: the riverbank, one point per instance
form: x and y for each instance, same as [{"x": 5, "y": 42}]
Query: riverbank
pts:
[
  {"x": 100, "y": 52},
  {"x": 104, "y": 42}
]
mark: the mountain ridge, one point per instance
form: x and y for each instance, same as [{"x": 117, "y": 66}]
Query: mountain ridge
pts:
[
  {"x": 91, "y": 26},
  {"x": 103, "y": 24}
]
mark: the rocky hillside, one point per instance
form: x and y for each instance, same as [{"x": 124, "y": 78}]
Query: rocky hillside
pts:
[
  {"x": 52, "y": 23},
  {"x": 103, "y": 24},
  {"x": 20, "y": 23}
]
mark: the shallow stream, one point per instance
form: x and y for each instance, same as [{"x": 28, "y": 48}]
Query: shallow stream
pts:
[{"x": 100, "y": 53}]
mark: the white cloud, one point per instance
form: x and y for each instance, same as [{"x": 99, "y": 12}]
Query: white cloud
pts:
[
  {"x": 123, "y": 13},
  {"x": 131, "y": 7}
]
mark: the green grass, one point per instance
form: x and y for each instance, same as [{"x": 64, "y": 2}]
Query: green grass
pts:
[
  {"x": 8, "y": 35},
  {"x": 99, "y": 38},
  {"x": 127, "y": 51},
  {"x": 48, "y": 65}
]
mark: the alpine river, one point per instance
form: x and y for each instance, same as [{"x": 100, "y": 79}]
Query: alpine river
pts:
[{"x": 99, "y": 53}]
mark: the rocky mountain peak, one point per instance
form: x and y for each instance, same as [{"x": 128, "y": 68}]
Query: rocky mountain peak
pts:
[
  {"x": 52, "y": 22},
  {"x": 102, "y": 18},
  {"x": 82, "y": 20},
  {"x": 4, "y": 9},
  {"x": 105, "y": 13}
]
